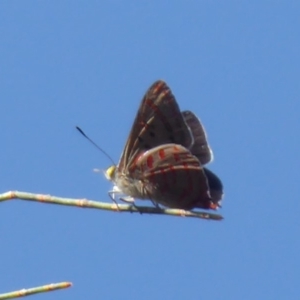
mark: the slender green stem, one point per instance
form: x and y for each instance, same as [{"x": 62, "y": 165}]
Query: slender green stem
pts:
[
  {"x": 84, "y": 203},
  {"x": 35, "y": 290}
]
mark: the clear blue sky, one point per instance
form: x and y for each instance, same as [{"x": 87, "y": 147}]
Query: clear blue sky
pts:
[{"x": 88, "y": 63}]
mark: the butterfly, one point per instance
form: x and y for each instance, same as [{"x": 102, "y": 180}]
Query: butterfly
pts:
[{"x": 162, "y": 157}]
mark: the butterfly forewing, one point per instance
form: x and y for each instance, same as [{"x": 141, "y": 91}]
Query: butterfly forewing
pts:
[
  {"x": 200, "y": 147},
  {"x": 173, "y": 177},
  {"x": 158, "y": 121}
]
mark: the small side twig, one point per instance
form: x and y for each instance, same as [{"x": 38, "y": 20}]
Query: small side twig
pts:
[
  {"x": 84, "y": 203},
  {"x": 40, "y": 289}
]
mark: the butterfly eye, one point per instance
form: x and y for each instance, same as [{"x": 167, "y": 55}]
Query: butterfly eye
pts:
[{"x": 110, "y": 173}]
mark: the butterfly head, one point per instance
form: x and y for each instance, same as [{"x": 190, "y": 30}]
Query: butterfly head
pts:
[{"x": 110, "y": 173}]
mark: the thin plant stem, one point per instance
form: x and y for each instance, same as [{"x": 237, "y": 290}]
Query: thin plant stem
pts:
[{"x": 92, "y": 204}]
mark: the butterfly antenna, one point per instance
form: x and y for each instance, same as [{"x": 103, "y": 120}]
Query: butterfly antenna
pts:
[{"x": 99, "y": 148}]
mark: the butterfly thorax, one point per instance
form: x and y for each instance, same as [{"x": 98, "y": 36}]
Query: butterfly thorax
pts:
[{"x": 126, "y": 184}]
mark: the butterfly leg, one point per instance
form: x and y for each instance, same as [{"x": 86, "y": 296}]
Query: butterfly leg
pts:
[
  {"x": 155, "y": 204},
  {"x": 112, "y": 195},
  {"x": 130, "y": 200},
  {"x": 127, "y": 199}
]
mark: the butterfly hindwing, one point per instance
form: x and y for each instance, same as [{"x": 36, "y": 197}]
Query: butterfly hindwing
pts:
[
  {"x": 215, "y": 188},
  {"x": 203, "y": 152},
  {"x": 172, "y": 176},
  {"x": 200, "y": 147}
]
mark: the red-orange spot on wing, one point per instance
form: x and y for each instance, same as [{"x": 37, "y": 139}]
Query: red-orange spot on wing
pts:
[
  {"x": 150, "y": 161},
  {"x": 213, "y": 205},
  {"x": 135, "y": 162},
  {"x": 161, "y": 153}
]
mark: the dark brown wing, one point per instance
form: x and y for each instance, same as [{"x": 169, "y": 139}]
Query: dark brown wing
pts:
[
  {"x": 200, "y": 147},
  {"x": 202, "y": 151},
  {"x": 215, "y": 188},
  {"x": 158, "y": 121},
  {"x": 173, "y": 177}
]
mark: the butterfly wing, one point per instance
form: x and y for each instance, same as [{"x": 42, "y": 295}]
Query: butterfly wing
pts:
[
  {"x": 203, "y": 152},
  {"x": 158, "y": 121},
  {"x": 173, "y": 177},
  {"x": 200, "y": 147},
  {"x": 215, "y": 187}
]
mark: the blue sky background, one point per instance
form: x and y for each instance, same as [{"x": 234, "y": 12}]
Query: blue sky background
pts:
[{"x": 88, "y": 63}]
